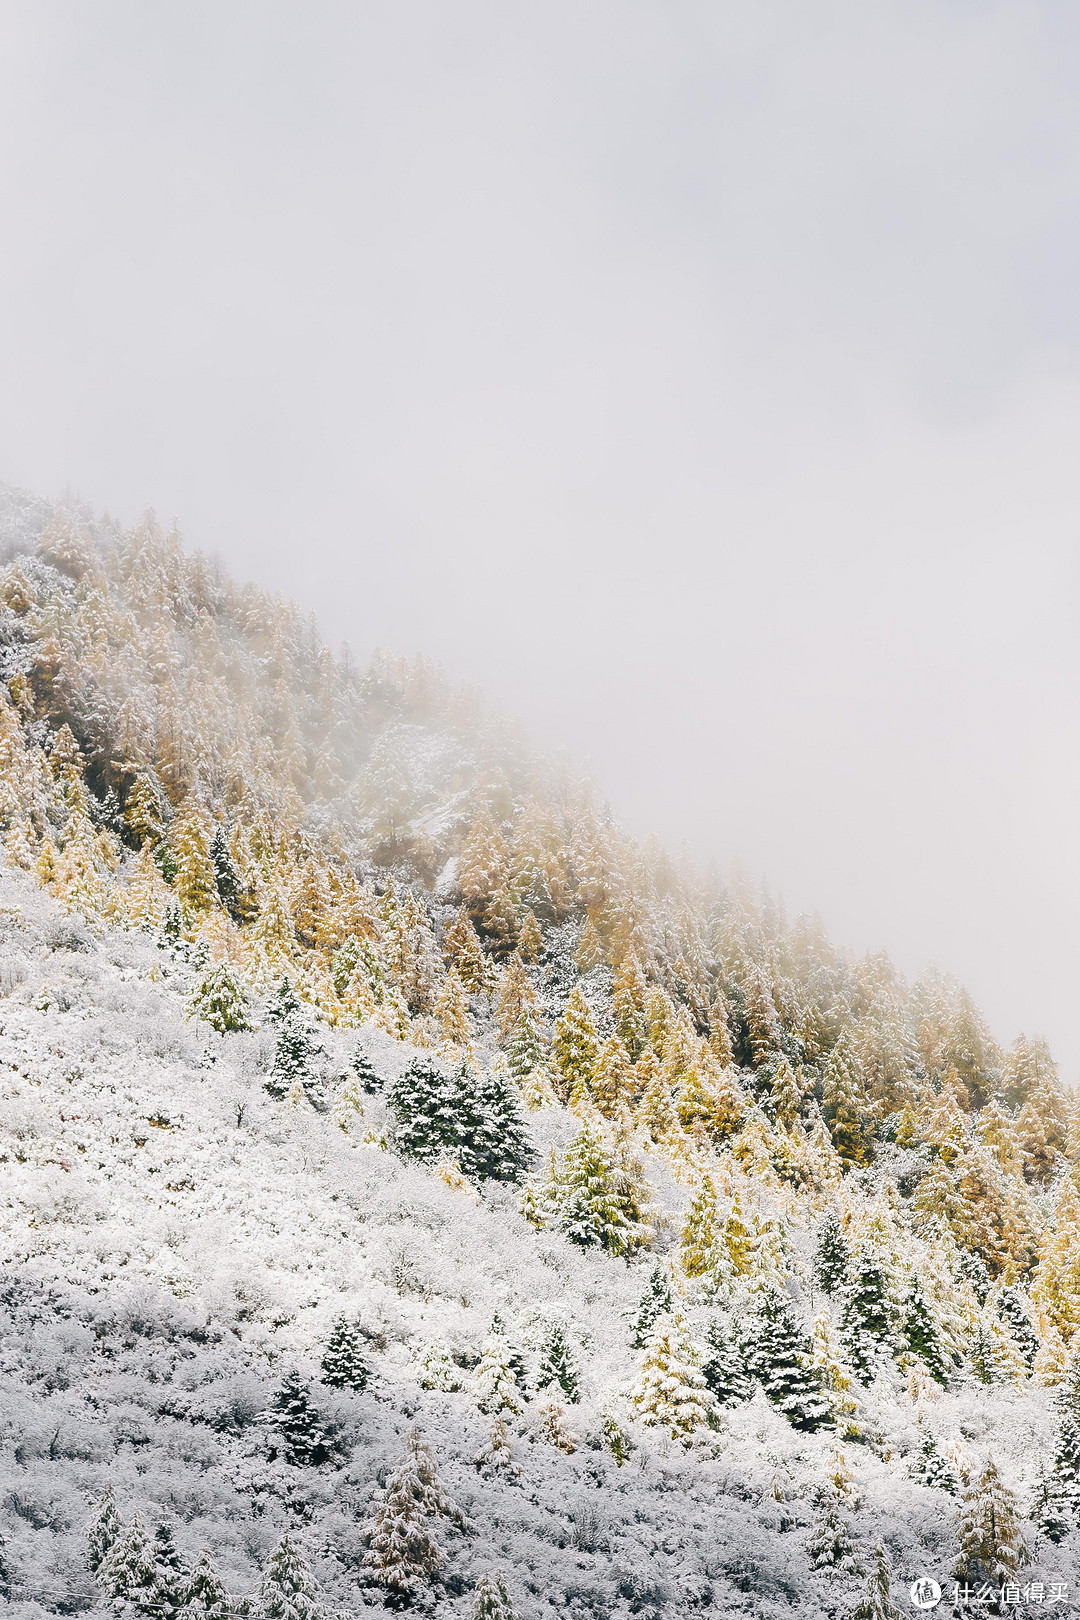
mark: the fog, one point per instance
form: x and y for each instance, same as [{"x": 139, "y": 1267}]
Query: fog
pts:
[{"x": 701, "y": 379}]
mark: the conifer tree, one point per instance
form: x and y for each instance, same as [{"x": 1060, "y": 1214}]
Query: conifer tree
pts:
[
  {"x": 492, "y": 1601},
  {"x": 496, "y": 1385},
  {"x": 724, "y": 1366},
  {"x": 989, "y": 1530},
  {"x": 435, "y": 1367},
  {"x": 530, "y": 938},
  {"x": 218, "y": 997},
  {"x": 876, "y": 1602},
  {"x": 831, "y": 1253},
  {"x": 598, "y": 1199},
  {"x": 843, "y": 1103},
  {"x": 298, "y": 1434},
  {"x": 613, "y": 1077},
  {"x": 403, "y": 1552},
  {"x": 455, "y": 1114},
  {"x": 699, "y": 1242},
  {"x": 204, "y": 1594},
  {"x": 497, "y": 1452},
  {"x": 226, "y": 877},
  {"x": 343, "y": 1363},
  {"x": 172, "y": 1571},
  {"x": 104, "y": 1532},
  {"x": 288, "y": 1590},
  {"x": 932, "y": 1467},
  {"x": 525, "y": 1053},
  {"x": 452, "y": 1011},
  {"x": 556, "y": 1363},
  {"x": 297, "y": 1048},
  {"x": 654, "y": 1303},
  {"x": 781, "y": 1360},
  {"x": 831, "y": 1545},
  {"x": 576, "y": 1046},
  {"x": 129, "y": 1574},
  {"x": 196, "y": 888},
  {"x": 919, "y": 1330},
  {"x": 671, "y": 1392},
  {"x": 1014, "y": 1312},
  {"x": 867, "y": 1329},
  {"x": 552, "y": 1427}
]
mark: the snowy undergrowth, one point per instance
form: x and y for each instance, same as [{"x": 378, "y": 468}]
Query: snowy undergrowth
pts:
[{"x": 175, "y": 1242}]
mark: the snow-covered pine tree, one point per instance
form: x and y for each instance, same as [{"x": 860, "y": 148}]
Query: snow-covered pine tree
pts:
[
  {"x": 298, "y": 1046},
  {"x": 919, "y": 1331},
  {"x": 989, "y": 1530},
  {"x": 654, "y": 1303},
  {"x": 496, "y": 1385},
  {"x": 204, "y": 1595},
  {"x": 296, "y": 1432},
  {"x": 172, "y": 1571},
  {"x": 781, "y": 1360},
  {"x": 867, "y": 1325},
  {"x": 931, "y": 1467},
  {"x": 525, "y": 1053},
  {"x": 671, "y": 1392},
  {"x": 104, "y": 1532},
  {"x": 1057, "y": 1507},
  {"x": 504, "y": 1152},
  {"x": 556, "y": 1363},
  {"x": 217, "y": 996},
  {"x": 876, "y": 1602},
  {"x": 724, "y": 1365},
  {"x": 1014, "y": 1310},
  {"x": 831, "y": 1253},
  {"x": 497, "y": 1453},
  {"x": 700, "y": 1252},
  {"x": 831, "y": 1543},
  {"x": 226, "y": 877},
  {"x": 598, "y": 1199},
  {"x": 129, "y": 1574},
  {"x": 288, "y": 1590},
  {"x": 435, "y": 1367},
  {"x": 344, "y": 1364},
  {"x": 364, "y": 1070},
  {"x": 492, "y": 1601},
  {"x": 403, "y": 1552}
]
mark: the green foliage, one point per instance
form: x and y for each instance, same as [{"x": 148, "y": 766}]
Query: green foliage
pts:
[
  {"x": 867, "y": 1314},
  {"x": 343, "y": 1363},
  {"x": 1015, "y": 1311},
  {"x": 725, "y": 1367},
  {"x": 876, "y": 1602},
  {"x": 404, "y": 1553},
  {"x": 296, "y": 1432},
  {"x": 104, "y": 1532},
  {"x": 288, "y": 1590},
  {"x": 129, "y": 1575},
  {"x": 780, "y": 1358},
  {"x": 597, "y": 1199},
  {"x": 556, "y": 1363},
  {"x": 655, "y": 1302},
  {"x": 492, "y": 1601},
  {"x": 226, "y": 879},
  {"x": 204, "y": 1594},
  {"x": 456, "y": 1114},
  {"x": 989, "y": 1532},
  {"x": 218, "y": 997},
  {"x": 297, "y": 1049},
  {"x": 831, "y": 1253}
]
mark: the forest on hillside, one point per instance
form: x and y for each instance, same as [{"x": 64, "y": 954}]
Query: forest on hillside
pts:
[{"x": 800, "y": 1203}]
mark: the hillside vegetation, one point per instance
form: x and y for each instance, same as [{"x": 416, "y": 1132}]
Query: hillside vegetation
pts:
[{"x": 412, "y": 1183}]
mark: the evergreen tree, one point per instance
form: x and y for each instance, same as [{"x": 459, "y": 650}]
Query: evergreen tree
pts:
[
  {"x": 781, "y": 1360},
  {"x": 218, "y": 997},
  {"x": 104, "y": 1532},
  {"x": 497, "y": 1452},
  {"x": 364, "y": 1071},
  {"x": 129, "y": 1574},
  {"x": 298, "y": 1435},
  {"x": 655, "y": 1302},
  {"x": 226, "y": 879},
  {"x": 204, "y": 1594},
  {"x": 866, "y": 1320},
  {"x": 1058, "y": 1499},
  {"x": 831, "y": 1545},
  {"x": 172, "y": 1571},
  {"x": 403, "y": 1552},
  {"x": 435, "y": 1368},
  {"x": 598, "y": 1199},
  {"x": 492, "y": 1600},
  {"x": 699, "y": 1246},
  {"x": 298, "y": 1046},
  {"x": 196, "y": 888},
  {"x": 525, "y": 1053},
  {"x": 919, "y": 1331},
  {"x": 496, "y": 1383},
  {"x": 876, "y": 1603},
  {"x": 1014, "y": 1312},
  {"x": 989, "y": 1530},
  {"x": 556, "y": 1363},
  {"x": 343, "y": 1364},
  {"x": 672, "y": 1393},
  {"x": 453, "y": 1114},
  {"x": 931, "y": 1467},
  {"x": 831, "y": 1253},
  {"x": 724, "y": 1368},
  {"x": 288, "y": 1590}
]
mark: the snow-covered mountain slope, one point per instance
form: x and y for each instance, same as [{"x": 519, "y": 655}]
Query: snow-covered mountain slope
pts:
[{"x": 175, "y": 1242}]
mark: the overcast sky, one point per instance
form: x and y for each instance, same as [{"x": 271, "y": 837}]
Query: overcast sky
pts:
[{"x": 701, "y": 379}]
